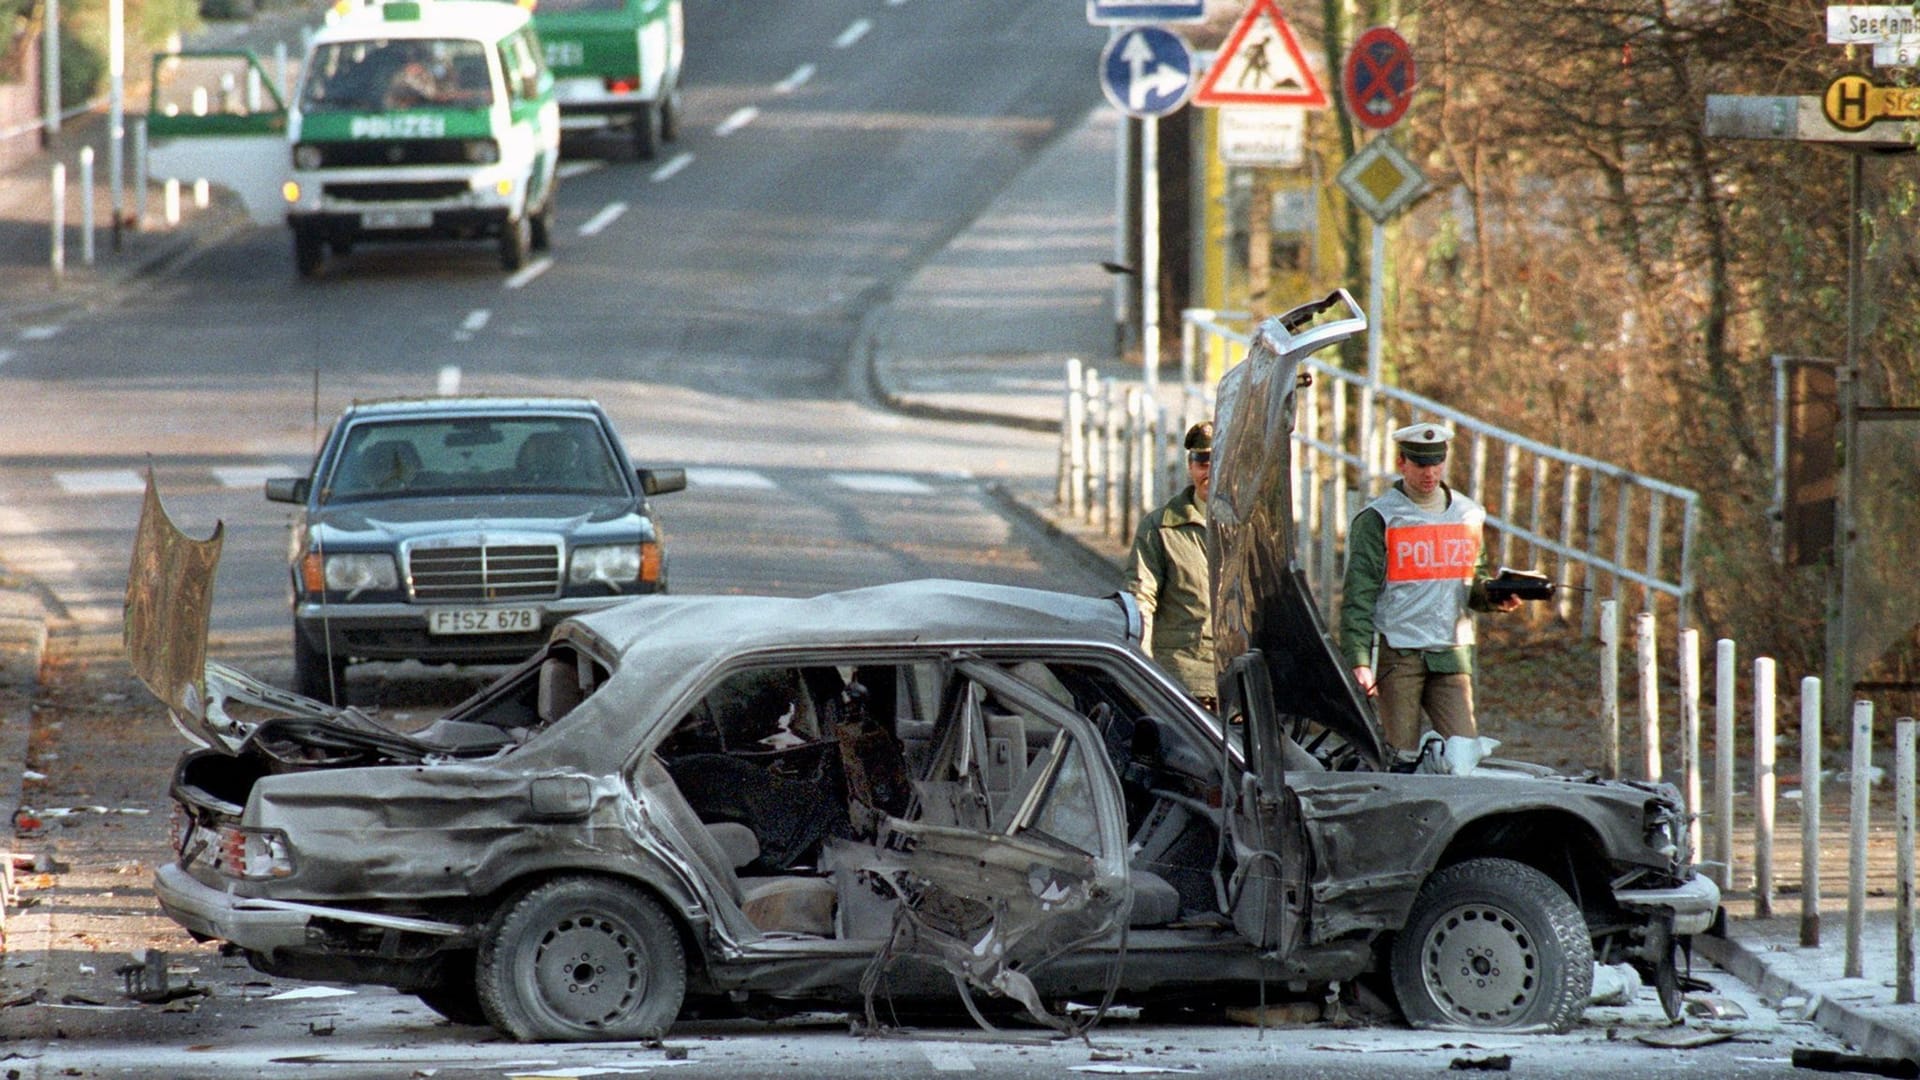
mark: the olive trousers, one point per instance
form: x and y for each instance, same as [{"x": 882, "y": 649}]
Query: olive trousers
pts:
[{"x": 1405, "y": 687}]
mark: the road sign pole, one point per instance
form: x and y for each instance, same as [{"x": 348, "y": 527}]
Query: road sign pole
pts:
[
  {"x": 1122, "y": 125},
  {"x": 1150, "y": 256},
  {"x": 1369, "y": 417}
]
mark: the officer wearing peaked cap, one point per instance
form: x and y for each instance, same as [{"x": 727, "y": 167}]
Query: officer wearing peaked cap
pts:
[
  {"x": 1168, "y": 575},
  {"x": 1416, "y": 569}
]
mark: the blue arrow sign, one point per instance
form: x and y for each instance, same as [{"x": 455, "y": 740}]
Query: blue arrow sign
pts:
[
  {"x": 1147, "y": 71},
  {"x": 1135, "y": 12}
]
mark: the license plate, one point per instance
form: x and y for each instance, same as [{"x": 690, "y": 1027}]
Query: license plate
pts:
[
  {"x": 512, "y": 620},
  {"x": 396, "y": 219}
]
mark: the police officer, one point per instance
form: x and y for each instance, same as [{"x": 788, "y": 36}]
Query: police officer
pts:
[
  {"x": 1167, "y": 574},
  {"x": 1416, "y": 567}
]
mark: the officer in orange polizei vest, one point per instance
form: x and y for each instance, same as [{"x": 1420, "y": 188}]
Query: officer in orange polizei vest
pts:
[{"x": 1416, "y": 569}]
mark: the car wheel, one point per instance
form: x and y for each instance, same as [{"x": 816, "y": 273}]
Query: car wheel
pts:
[
  {"x": 316, "y": 675},
  {"x": 309, "y": 252},
  {"x": 1492, "y": 943},
  {"x": 516, "y": 239},
  {"x": 643, "y": 132},
  {"x": 456, "y": 999},
  {"x": 582, "y": 958}
]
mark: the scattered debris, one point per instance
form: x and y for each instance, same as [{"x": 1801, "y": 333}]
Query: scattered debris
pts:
[
  {"x": 1679, "y": 1038},
  {"x": 1614, "y": 984},
  {"x": 32, "y": 775},
  {"x": 1714, "y": 1007},
  {"x": 1107, "y": 1055},
  {"x": 674, "y": 1053},
  {"x": 316, "y": 1029},
  {"x": 307, "y": 992},
  {"x": 1836, "y": 1061},
  {"x": 1284, "y": 1014},
  {"x": 147, "y": 980},
  {"x": 1135, "y": 1070},
  {"x": 1490, "y": 1063}
]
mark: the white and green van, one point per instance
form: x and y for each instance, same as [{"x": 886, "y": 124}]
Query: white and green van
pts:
[
  {"x": 414, "y": 119},
  {"x": 616, "y": 62}
]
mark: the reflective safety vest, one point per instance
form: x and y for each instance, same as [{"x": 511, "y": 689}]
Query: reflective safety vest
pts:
[{"x": 1430, "y": 560}]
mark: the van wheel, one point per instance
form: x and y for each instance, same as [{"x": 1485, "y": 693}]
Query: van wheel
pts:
[
  {"x": 309, "y": 252},
  {"x": 582, "y": 958},
  {"x": 643, "y": 132},
  {"x": 317, "y": 675},
  {"x": 670, "y": 116},
  {"x": 1493, "y": 943},
  {"x": 542, "y": 227},
  {"x": 516, "y": 239}
]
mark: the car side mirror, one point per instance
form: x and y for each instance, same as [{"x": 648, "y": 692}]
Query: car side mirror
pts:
[
  {"x": 661, "y": 481},
  {"x": 288, "y": 489}
]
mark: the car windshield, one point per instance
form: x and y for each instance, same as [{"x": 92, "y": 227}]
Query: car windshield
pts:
[
  {"x": 475, "y": 455},
  {"x": 382, "y": 75}
]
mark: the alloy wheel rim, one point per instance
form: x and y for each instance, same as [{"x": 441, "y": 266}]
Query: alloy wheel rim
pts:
[{"x": 1480, "y": 964}]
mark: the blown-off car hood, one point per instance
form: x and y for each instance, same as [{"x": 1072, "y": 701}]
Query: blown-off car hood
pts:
[{"x": 1260, "y": 595}]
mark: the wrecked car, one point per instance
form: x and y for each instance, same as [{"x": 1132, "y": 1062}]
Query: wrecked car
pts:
[
  {"x": 912, "y": 790},
  {"x": 460, "y": 530}
]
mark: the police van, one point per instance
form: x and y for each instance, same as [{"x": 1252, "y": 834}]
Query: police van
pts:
[
  {"x": 419, "y": 119},
  {"x": 616, "y": 63},
  {"x": 413, "y": 120}
]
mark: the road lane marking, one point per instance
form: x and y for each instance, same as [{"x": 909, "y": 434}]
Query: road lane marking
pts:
[
  {"x": 532, "y": 270},
  {"x": 570, "y": 169},
  {"x": 740, "y": 118},
  {"x": 895, "y": 3},
  {"x": 742, "y": 479},
  {"x": 680, "y": 161},
  {"x": 854, "y": 32},
  {"x": 608, "y": 214},
  {"x": 5, "y": 355},
  {"x": 101, "y": 482},
  {"x": 449, "y": 383},
  {"x": 881, "y": 483},
  {"x": 794, "y": 81},
  {"x": 946, "y": 1058},
  {"x": 241, "y": 477},
  {"x": 39, "y": 333},
  {"x": 476, "y": 320}
]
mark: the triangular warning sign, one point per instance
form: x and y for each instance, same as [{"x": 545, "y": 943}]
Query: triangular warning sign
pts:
[{"x": 1261, "y": 64}]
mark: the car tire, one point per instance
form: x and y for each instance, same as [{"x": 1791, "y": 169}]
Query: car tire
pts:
[
  {"x": 457, "y": 999},
  {"x": 582, "y": 958},
  {"x": 309, "y": 252},
  {"x": 1493, "y": 943},
  {"x": 317, "y": 675},
  {"x": 516, "y": 240},
  {"x": 644, "y": 144}
]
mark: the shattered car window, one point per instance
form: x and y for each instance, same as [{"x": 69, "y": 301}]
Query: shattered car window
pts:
[{"x": 477, "y": 455}]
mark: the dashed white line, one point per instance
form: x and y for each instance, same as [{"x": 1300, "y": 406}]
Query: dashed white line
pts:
[
  {"x": 744, "y": 479},
  {"x": 895, "y": 3},
  {"x": 854, "y": 32},
  {"x": 101, "y": 482},
  {"x": 608, "y": 214},
  {"x": 250, "y": 476},
  {"x": 881, "y": 483},
  {"x": 527, "y": 273},
  {"x": 740, "y": 118},
  {"x": 476, "y": 320},
  {"x": 946, "y": 1058},
  {"x": 794, "y": 81},
  {"x": 449, "y": 381},
  {"x": 38, "y": 333},
  {"x": 5, "y": 355},
  {"x": 570, "y": 169},
  {"x": 680, "y": 161}
]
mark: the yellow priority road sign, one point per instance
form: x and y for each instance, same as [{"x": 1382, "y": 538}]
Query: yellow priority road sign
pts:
[{"x": 1852, "y": 102}]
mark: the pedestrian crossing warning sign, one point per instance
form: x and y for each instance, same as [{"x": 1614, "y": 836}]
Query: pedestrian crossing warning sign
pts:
[{"x": 1261, "y": 64}]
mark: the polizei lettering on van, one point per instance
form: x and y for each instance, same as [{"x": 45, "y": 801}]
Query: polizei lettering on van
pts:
[{"x": 401, "y": 126}]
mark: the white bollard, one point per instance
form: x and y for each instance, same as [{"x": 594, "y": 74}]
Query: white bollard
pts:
[
  {"x": 201, "y": 195},
  {"x": 199, "y": 106},
  {"x": 170, "y": 202},
  {"x": 1764, "y": 729},
  {"x": 1810, "y": 785},
  {"x": 1610, "y": 689},
  {"x": 141, "y": 175},
  {"x": 1903, "y": 750},
  {"x": 1690, "y": 734},
  {"x": 57, "y": 250},
  {"x": 1857, "y": 838},
  {"x": 1647, "y": 659},
  {"x": 1723, "y": 691},
  {"x": 86, "y": 206}
]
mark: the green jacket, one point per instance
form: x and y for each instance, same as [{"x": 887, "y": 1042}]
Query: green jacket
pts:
[
  {"x": 1167, "y": 574},
  {"x": 1360, "y": 591}
]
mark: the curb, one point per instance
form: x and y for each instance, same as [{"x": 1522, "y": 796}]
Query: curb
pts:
[
  {"x": 1857, "y": 1028},
  {"x": 881, "y": 390},
  {"x": 23, "y": 644}
]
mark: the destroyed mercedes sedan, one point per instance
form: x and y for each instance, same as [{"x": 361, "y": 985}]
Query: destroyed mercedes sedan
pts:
[{"x": 913, "y": 790}]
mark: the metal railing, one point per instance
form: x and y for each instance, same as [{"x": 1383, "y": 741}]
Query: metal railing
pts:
[{"x": 1603, "y": 528}]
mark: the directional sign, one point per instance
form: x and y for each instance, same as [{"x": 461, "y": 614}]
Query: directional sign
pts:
[
  {"x": 1379, "y": 78},
  {"x": 1147, "y": 71},
  {"x": 1135, "y": 12},
  {"x": 1261, "y": 64},
  {"x": 1380, "y": 180}
]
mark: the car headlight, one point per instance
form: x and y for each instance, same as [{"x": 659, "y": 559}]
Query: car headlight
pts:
[
  {"x": 482, "y": 151},
  {"x": 356, "y": 573},
  {"x": 306, "y": 156},
  {"x": 612, "y": 564}
]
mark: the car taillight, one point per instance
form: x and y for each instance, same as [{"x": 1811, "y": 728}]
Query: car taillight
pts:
[
  {"x": 254, "y": 854},
  {"x": 622, "y": 86}
]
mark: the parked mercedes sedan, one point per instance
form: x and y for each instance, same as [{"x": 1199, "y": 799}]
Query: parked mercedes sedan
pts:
[
  {"x": 461, "y": 530},
  {"x": 928, "y": 789}
]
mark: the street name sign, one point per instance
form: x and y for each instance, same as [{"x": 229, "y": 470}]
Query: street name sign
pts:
[
  {"x": 1380, "y": 180},
  {"x": 1264, "y": 137},
  {"x": 1379, "y": 78},
  {"x": 1136, "y": 12},
  {"x": 1893, "y": 30},
  {"x": 1261, "y": 64},
  {"x": 1147, "y": 71}
]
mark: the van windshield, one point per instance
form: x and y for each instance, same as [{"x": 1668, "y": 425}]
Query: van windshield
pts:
[{"x": 385, "y": 75}]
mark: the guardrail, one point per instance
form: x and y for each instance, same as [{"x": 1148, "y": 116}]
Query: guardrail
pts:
[{"x": 1605, "y": 529}]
